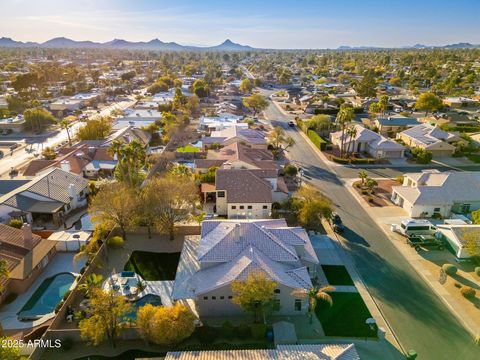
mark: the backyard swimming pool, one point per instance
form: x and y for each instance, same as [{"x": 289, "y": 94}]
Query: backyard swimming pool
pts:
[
  {"x": 155, "y": 300},
  {"x": 46, "y": 297}
]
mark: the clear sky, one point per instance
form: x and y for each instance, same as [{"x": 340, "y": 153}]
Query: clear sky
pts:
[{"x": 259, "y": 23}]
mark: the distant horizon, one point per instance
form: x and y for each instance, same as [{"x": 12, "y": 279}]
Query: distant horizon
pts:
[{"x": 304, "y": 24}]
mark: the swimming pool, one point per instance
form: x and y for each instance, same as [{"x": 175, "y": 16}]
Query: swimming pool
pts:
[
  {"x": 155, "y": 300},
  {"x": 46, "y": 297}
]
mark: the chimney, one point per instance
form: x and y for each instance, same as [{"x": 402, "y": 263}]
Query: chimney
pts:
[
  {"x": 237, "y": 232},
  {"x": 27, "y": 235},
  {"x": 65, "y": 165}
]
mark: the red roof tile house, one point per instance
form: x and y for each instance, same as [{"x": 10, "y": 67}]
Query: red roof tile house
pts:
[{"x": 26, "y": 255}]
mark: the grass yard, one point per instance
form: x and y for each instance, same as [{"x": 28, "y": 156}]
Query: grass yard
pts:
[
  {"x": 337, "y": 275},
  {"x": 153, "y": 266},
  {"x": 188, "y": 149},
  {"x": 346, "y": 317}
]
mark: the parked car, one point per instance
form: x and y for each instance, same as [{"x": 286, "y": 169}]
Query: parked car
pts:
[
  {"x": 291, "y": 123},
  {"x": 337, "y": 223}
]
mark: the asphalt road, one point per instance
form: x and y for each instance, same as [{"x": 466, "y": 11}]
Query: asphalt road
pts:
[{"x": 419, "y": 319}]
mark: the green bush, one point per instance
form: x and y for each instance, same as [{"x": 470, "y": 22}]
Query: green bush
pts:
[
  {"x": 58, "y": 307},
  {"x": 16, "y": 223},
  {"x": 316, "y": 139},
  {"x": 422, "y": 156},
  {"x": 477, "y": 270},
  {"x": 228, "y": 330},
  {"x": 259, "y": 331},
  {"x": 290, "y": 170},
  {"x": 206, "y": 334},
  {"x": 244, "y": 331},
  {"x": 370, "y": 199},
  {"x": 116, "y": 242},
  {"x": 449, "y": 269},
  {"x": 468, "y": 292},
  {"x": 339, "y": 160},
  {"x": 65, "y": 296}
]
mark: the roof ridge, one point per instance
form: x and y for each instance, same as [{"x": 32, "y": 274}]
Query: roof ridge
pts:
[{"x": 277, "y": 240}]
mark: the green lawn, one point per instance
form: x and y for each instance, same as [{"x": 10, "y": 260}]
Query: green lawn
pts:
[
  {"x": 153, "y": 266},
  {"x": 337, "y": 275},
  {"x": 346, "y": 317},
  {"x": 188, "y": 148}
]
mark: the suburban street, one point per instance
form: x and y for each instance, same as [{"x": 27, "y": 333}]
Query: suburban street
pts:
[
  {"x": 419, "y": 319},
  {"x": 36, "y": 144}
]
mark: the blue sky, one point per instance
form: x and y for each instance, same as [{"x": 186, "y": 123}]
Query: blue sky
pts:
[{"x": 259, "y": 23}]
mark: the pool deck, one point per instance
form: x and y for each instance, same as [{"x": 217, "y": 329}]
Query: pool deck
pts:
[{"x": 62, "y": 262}]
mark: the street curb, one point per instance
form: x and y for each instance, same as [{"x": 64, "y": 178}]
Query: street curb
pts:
[{"x": 421, "y": 273}]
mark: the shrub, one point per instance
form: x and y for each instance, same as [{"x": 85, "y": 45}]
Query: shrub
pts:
[
  {"x": 82, "y": 270},
  {"x": 399, "y": 179},
  {"x": 228, "y": 330},
  {"x": 67, "y": 343},
  {"x": 449, "y": 269},
  {"x": 116, "y": 242},
  {"x": 16, "y": 223},
  {"x": 58, "y": 307},
  {"x": 370, "y": 199},
  {"x": 316, "y": 139},
  {"x": 290, "y": 170},
  {"x": 357, "y": 185},
  {"x": 468, "y": 292},
  {"x": 339, "y": 160},
  {"x": 477, "y": 270},
  {"x": 259, "y": 331},
  {"x": 206, "y": 334},
  {"x": 457, "y": 284},
  {"x": 243, "y": 331},
  {"x": 364, "y": 192},
  {"x": 362, "y": 161}
]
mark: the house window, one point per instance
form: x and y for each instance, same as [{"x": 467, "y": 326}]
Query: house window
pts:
[
  {"x": 298, "y": 305},
  {"x": 276, "y": 305},
  {"x": 205, "y": 298},
  {"x": 249, "y": 207},
  {"x": 265, "y": 207},
  {"x": 220, "y": 193},
  {"x": 234, "y": 207},
  {"x": 222, "y": 297},
  {"x": 436, "y": 210},
  {"x": 230, "y": 297},
  {"x": 276, "y": 291},
  {"x": 214, "y": 298},
  {"x": 242, "y": 207}
]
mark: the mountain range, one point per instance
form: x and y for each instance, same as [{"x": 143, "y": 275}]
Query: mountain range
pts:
[{"x": 155, "y": 44}]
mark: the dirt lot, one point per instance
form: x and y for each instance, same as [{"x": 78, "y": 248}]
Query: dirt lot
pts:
[{"x": 381, "y": 194}]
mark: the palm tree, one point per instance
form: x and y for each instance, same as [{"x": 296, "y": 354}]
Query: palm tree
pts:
[
  {"x": 315, "y": 294},
  {"x": 370, "y": 183},
  {"x": 91, "y": 281},
  {"x": 65, "y": 124},
  {"x": 363, "y": 175},
  {"x": 344, "y": 116},
  {"x": 277, "y": 138},
  {"x": 352, "y": 133}
]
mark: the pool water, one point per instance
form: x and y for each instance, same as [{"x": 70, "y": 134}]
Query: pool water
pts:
[
  {"x": 47, "y": 296},
  {"x": 155, "y": 300}
]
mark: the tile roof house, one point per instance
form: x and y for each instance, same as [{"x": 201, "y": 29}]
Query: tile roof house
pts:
[
  {"x": 248, "y": 193},
  {"x": 46, "y": 199},
  {"x": 282, "y": 352},
  {"x": 253, "y": 138},
  {"x": 237, "y": 156},
  {"x": 82, "y": 159},
  {"x": 394, "y": 123},
  {"x": 26, "y": 255},
  {"x": 229, "y": 250},
  {"x": 456, "y": 237},
  {"x": 428, "y": 137},
  {"x": 432, "y": 192},
  {"x": 369, "y": 142}
]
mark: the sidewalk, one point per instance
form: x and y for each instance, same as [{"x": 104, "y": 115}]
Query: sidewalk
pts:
[{"x": 384, "y": 217}]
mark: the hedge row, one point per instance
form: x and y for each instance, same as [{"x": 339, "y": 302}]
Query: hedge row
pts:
[
  {"x": 356, "y": 110},
  {"x": 352, "y": 161},
  {"x": 316, "y": 139}
]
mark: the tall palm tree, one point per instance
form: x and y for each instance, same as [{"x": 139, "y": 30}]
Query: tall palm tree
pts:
[
  {"x": 91, "y": 281},
  {"x": 344, "y": 116},
  {"x": 352, "y": 133},
  {"x": 65, "y": 124},
  {"x": 314, "y": 295},
  {"x": 363, "y": 176}
]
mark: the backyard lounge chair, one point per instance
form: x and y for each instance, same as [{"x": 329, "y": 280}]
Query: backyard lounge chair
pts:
[{"x": 127, "y": 274}]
